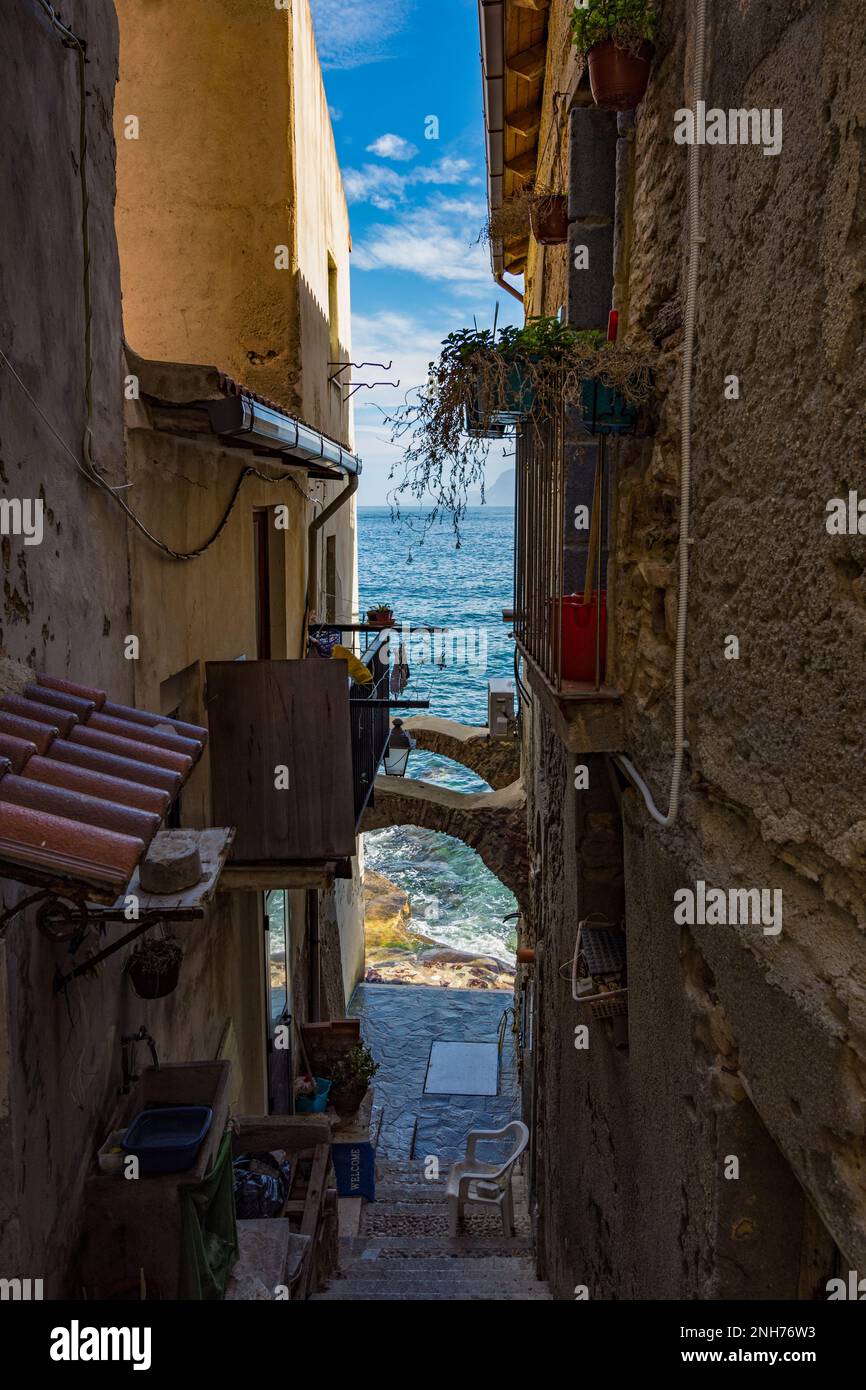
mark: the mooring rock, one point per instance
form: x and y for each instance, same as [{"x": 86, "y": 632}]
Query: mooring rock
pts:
[{"x": 172, "y": 864}]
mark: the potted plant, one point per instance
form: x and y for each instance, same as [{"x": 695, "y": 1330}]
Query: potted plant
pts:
[
  {"x": 351, "y": 1078},
  {"x": 380, "y": 615},
  {"x": 154, "y": 967},
  {"x": 511, "y": 220},
  {"x": 520, "y": 377},
  {"x": 548, "y": 218},
  {"x": 616, "y": 37}
]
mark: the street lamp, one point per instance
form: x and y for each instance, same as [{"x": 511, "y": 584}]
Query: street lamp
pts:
[{"x": 400, "y": 745}]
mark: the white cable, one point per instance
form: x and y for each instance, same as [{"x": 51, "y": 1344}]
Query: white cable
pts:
[{"x": 695, "y": 242}]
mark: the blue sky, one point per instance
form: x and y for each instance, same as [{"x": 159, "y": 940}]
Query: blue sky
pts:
[{"x": 416, "y": 204}]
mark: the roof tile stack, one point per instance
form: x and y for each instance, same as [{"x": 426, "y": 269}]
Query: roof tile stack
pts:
[{"x": 85, "y": 783}]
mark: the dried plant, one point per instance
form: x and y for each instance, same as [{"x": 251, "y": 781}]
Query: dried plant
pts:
[{"x": 510, "y": 221}]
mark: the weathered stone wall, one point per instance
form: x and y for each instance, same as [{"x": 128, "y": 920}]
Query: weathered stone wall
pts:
[
  {"x": 741, "y": 1043},
  {"x": 65, "y": 601}
]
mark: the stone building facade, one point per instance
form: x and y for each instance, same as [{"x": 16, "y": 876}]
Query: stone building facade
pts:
[
  {"x": 717, "y": 1147},
  {"x": 187, "y": 309}
]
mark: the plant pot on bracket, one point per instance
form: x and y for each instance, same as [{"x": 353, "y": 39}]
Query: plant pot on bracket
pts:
[
  {"x": 618, "y": 77},
  {"x": 154, "y": 968},
  {"x": 548, "y": 218}
]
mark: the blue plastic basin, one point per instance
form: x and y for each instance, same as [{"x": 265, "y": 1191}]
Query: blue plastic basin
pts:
[{"x": 167, "y": 1138}]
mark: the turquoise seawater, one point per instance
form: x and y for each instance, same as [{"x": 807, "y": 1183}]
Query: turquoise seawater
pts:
[{"x": 454, "y": 898}]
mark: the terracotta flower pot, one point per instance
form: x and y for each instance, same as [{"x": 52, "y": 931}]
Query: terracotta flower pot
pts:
[
  {"x": 548, "y": 218},
  {"x": 346, "y": 1100},
  {"x": 379, "y": 617},
  {"x": 618, "y": 78}
]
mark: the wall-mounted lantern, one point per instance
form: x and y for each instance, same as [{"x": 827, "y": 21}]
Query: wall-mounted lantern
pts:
[{"x": 400, "y": 745}]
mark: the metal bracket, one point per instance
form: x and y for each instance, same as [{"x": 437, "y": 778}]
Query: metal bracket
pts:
[{"x": 354, "y": 386}]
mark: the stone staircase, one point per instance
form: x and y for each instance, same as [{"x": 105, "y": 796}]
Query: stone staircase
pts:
[{"x": 402, "y": 1250}]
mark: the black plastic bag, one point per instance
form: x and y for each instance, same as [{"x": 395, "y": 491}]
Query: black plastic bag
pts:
[{"x": 261, "y": 1185}]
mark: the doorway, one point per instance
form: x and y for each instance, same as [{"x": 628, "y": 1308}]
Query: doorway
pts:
[{"x": 278, "y": 995}]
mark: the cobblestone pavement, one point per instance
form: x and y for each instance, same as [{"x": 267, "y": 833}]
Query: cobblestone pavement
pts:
[{"x": 399, "y": 1023}]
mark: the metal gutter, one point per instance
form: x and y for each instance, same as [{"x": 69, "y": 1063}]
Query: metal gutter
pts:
[
  {"x": 266, "y": 428},
  {"x": 491, "y": 23}
]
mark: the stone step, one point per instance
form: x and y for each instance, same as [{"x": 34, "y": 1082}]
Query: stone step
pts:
[
  {"x": 395, "y": 1290},
  {"x": 425, "y": 1247},
  {"x": 439, "y": 1271},
  {"x": 410, "y": 1192}
]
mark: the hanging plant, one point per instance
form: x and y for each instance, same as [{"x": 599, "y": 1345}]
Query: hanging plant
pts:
[
  {"x": 616, "y": 37},
  {"x": 510, "y": 221},
  {"x": 154, "y": 967},
  {"x": 482, "y": 383}
]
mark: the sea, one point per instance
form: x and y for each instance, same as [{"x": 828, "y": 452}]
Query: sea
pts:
[{"x": 428, "y": 580}]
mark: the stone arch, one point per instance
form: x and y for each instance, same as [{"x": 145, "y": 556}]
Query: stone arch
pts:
[
  {"x": 497, "y": 760},
  {"x": 491, "y": 823}
]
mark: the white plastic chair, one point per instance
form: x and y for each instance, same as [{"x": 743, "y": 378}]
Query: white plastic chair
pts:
[{"x": 488, "y": 1184}]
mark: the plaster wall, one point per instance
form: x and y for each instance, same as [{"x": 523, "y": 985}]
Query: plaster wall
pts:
[
  {"x": 205, "y": 192},
  {"x": 65, "y": 605}
]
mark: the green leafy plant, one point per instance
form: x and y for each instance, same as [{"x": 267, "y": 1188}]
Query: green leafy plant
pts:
[
  {"x": 355, "y": 1068},
  {"x": 628, "y": 22}
]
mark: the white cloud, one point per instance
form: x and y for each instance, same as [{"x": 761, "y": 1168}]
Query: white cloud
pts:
[
  {"x": 393, "y": 147},
  {"x": 335, "y": 113},
  {"x": 351, "y": 33},
  {"x": 384, "y": 187},
  {"x": 429, "y": 241}
]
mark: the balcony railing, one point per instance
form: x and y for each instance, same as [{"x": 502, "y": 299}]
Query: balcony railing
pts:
[
  {"x": 560, "y": 614},
  {"x": 369, "y": 705},
  {"x": 371, "y": 722}
]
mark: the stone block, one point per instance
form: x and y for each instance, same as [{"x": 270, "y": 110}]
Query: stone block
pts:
[{"x": 590, "y": 288}]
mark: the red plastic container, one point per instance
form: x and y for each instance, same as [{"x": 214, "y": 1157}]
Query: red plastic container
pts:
[{"x": 578, "y": 637}]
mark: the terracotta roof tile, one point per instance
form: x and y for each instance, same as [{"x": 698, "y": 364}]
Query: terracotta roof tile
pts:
[
  {"x": 40, "y": 734},
  {"x": 76, "y": 703},
  {"x": 147, "y": 735},
  {"x": 84, "y": 782},
  {"x": 66, "y": 849},
  {"x": 17, "y": 750},
  {"x": 62, "y": 720},
  {"x": 91, "y": 783},
  {"x": 86, "y": 692},
  {"x": 142, "y": 716},
  {"x": 89, "y": 810},
  {"x": 96, "y": 760},
  {"x": 130, "y": 748}
]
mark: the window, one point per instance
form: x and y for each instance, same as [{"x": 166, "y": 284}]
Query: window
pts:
[
  {"x": 333, "y": 310},
  {"x": 261, "y": 534},
  {"x": 278, "y": 938},
  {"x": 331, "y": 579}
]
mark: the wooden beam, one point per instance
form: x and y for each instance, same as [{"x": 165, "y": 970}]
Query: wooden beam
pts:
[
  {"x": 523, "y": 165},
  {"x": 525, "y": 121},
  {"x": 253, "y": 877},
  {"x": 261, "y": 1133},
  {"x": 530, "y": 63}
]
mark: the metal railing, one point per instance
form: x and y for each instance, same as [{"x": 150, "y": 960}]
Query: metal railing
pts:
[
  {"x": 557, "y": 614},
  {"x": 369, "y": 707}
]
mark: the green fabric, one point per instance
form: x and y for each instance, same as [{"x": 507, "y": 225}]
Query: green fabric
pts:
[{"x": 209, "y": 1238}]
